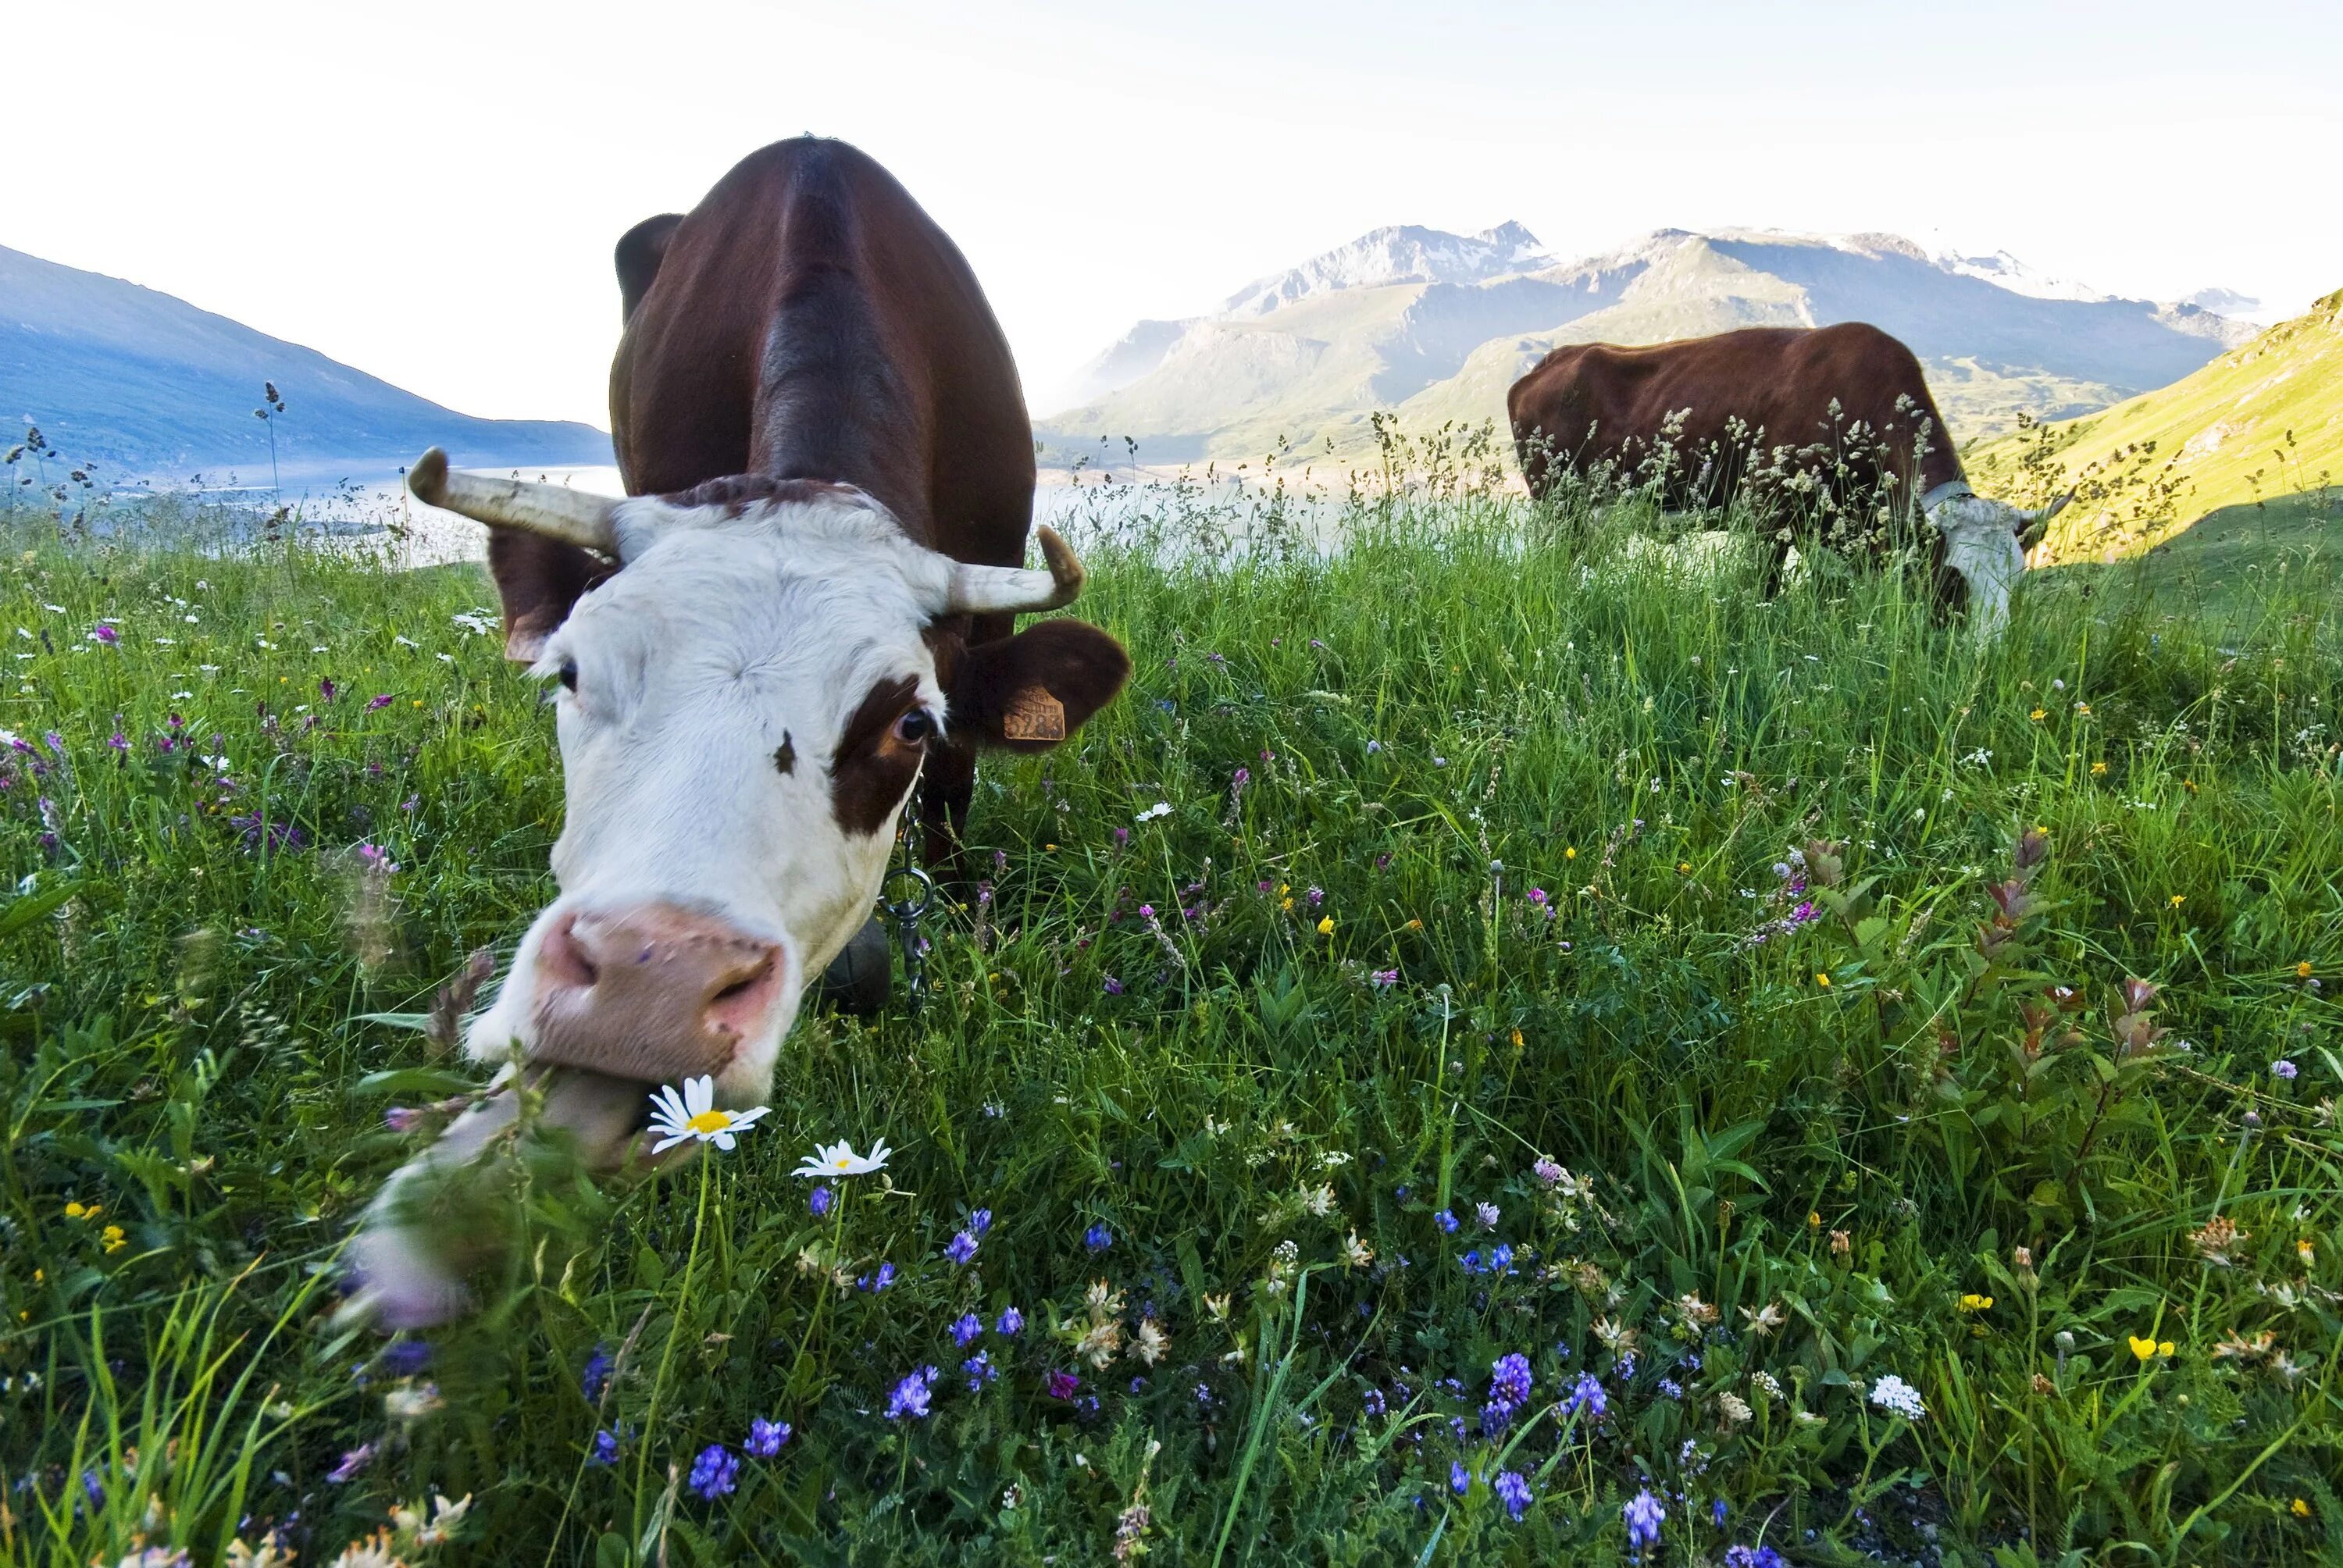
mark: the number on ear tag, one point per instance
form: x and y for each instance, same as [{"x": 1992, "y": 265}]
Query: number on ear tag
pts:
[{"x": 1034, "y": 715}]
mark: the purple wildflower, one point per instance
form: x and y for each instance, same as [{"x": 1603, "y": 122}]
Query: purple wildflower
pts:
[
  {"x": 715, "y": 1472},
  {"x": 353, "y": 1461},
  {"x": 2284, "y": 1069},
  {"x": 1113, "y": 987},
  {"x": 1586, "y": 1395},
  {"x": 1062, "y": 1385},
  {"x": 597, "y": 1375},
  {"x": 327, "y": 689},
  {"x": 1670, "y": 1387},
  {"x": 979, "y": 1370},
  {"x": 1752, "y": 1557},
  {"x": 1460, "y": 1480},
  {"x": 1513, "y": 1490},
  {"x": 1372, "y": 1402},
  {"x": 381, "y": 701},
  {"x": 1384, "y": 979},
  {"x": 1012, "y": 1322},
  {"x": 961, "y": 1249},
  {"x": 966, "y": 1327},
  {"x": 405, "y": 1358},
  {"x": 1488, "y": 1214},
  {"x": 766, "y": 1437},
  {"x": 979, "y": 1222},
  {"x": 1546, "y": 1172},
  {"x": 909, "y": 1400},
  {"x": 1510, "y": 1379},
  {"x": 818, "y": 1201},
  {"x": 105, "y": 634},
  {"x": 879, "y": 1281},
  {"x": 119, "y": 741},
  {"x": 1644, "y": 1515}
]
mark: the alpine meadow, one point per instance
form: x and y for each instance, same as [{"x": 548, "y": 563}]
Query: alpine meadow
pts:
[{"x": 1504, "y": 1045}]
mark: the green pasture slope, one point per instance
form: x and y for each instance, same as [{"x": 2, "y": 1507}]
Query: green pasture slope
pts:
[{"x": 1879, "y": 1218}]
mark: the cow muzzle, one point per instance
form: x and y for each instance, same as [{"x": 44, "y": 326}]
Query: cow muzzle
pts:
[{"x": 655, "y": 994}]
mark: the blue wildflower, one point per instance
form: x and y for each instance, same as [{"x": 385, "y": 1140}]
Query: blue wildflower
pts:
[
  {"x": 1510, "y": 1379},
  {"x": 966, "y": 1328},
  {"x": 405, "y": 1358},
  {"x": 979, "y": 1370},
  {"x": 1098, "y": 1237},
  {"x": 1670, "y": 1387},
  {"x": 1460, "y": 1480},
  {"x": 1501, "y": 1259},
  {"x": 961, "y": 1249},
  {"x": 1586, "y": 1395},
  {"x": 766, "y": 1437},
  {"x": 1752, "y": 1557},
  {"x": 879, "y": 1281},
  {"x": 1644, "y": 1515},
  {"x": 1011, "y": 1322},
  {"x": 596, "y": 1376},
  {"x": 1470, "y": 1261},
  {"x": 909, "y": 1399},
  {"x": 1445, "y": 1221},
  {"x": 1717, "y": 1514},
  {"x": 1372, "y": 1401},
  {"x": 606, "y": 1449},
  {"x": 819, "y": 1201},
  {"x": 715, "y": 1472},
  {"x": 1513, "y": 1491},
  {"x": 979, "y": 1222}
]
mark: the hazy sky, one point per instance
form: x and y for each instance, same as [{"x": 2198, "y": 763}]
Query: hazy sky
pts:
[{"x": 430, "y": 192}]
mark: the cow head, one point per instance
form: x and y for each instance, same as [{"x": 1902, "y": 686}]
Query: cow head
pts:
[
  {"x": 746, "y": 683},
  {"x": 1985, "y": 542}
]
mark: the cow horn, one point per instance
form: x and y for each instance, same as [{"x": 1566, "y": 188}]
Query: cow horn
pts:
[
  {"x": 553, "y": 511},
  {"x": 2034, "y": 524},
  {"x": 1014, "y": 591}
]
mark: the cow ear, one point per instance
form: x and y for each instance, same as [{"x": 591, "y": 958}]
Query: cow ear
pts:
[
  {"x": 538, "y": 579},
  {"x": 639, "y": 252},
  {"x": 1030, "y": 691}
]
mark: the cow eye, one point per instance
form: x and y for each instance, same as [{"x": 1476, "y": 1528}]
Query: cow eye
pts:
[
  {"x": 914, "y": 727},
  {"x": 569, "y": 674}
]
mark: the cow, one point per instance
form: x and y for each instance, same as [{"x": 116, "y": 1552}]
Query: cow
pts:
[
  {"x": 1838, "y": 416},
  {"x": 806, "y": 605}
]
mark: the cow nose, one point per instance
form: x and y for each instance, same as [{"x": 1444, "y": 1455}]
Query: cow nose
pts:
[{"x": 654, "y": 993}]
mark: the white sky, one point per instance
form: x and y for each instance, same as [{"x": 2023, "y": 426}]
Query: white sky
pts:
[{"x": 430, "y": 192}]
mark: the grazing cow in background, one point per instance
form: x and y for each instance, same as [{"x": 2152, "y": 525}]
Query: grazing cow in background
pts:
[
  {"x": 1841, "y": 414},
  {"x": 755, "y": 663}
]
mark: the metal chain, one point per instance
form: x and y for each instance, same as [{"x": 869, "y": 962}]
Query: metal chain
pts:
[{"x": 905, "y": 911}]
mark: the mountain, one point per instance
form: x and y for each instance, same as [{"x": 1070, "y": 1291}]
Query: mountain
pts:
[
  {"x": 2261, "y": 420},
  {"x": 138, "y": 383},
  {"x": 1437, "y": 326}
]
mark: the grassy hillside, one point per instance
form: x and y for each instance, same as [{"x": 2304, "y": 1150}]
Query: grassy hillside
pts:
[
  {"x": 2261, "y": 421},
  {"x": 1582, "y": 1067}
]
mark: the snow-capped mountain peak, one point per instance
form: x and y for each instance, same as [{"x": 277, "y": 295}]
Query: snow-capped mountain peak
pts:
[{"x": 1402, "y": 253}]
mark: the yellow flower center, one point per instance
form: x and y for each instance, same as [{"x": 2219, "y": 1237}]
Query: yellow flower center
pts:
[{"x": 708, "y": 1121}]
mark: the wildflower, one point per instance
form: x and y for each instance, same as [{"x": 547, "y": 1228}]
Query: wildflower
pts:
[
  {"x": 715, "y": 1472},
  {"x": 1488, "y": 1214},
  {"x": 2219, "y": 1240},
  {"x": 381, "y": 701},
  {"x": 369, "y": 1551},
  {"x": 2038, "y": 715},
  {"x": 1150, "y": 1342},
  {"x": 605, "y": 1452},
  {"x": 884, "y": 1277},
  {"x": 1512, "y": 1491},
  {"x": 682, "y": 1118},
  {"x": 1973, "y": 1303},
  {"x": 1011, "y": 1322},
  {"x": 966, "y": 1327},
  {"x": 1841, "y": 1243},
  {"x": 2302, "y": 1249},
  {"x": 1062, "y": 1385},
  {"x": 2298, "y": 1508},
  {"x": 1326, "y": 926},
  {"x": 766, "y": 1437},
  {"x": 1510, "y": 1381},
  {"x": 409, "y": 1521},
  {"x": 1098, "y": 1237},
  {"x": 1670, "y": 1387},
  {"x": 1099, "y": 1344},
  {"x": 1445, "y": 1221},
  {"x": 1765, "y": 1319},
  {"x": 405, "y": 1358},
  {"x": 1384, "y": 979},
  {"x": 2284, "y": 1069},
  {"x": 1160, "y": 808},
  {"x": 819, "y": 1201},
  {"x": 105, "y": 634},
  {"x": 114, "y": 1238},
  {"x": 961, "y": 1249},
  {"x": 1460, "y": 1480},
  {"x": 1644, "y": 1515},
  {"x": 1547, "y": 1173},
  {"x": 1893, "y": 1394},
  {"x": 1586, "y": 1396},
  {"x": 841, "y": 1159},
  {"x": 980, "y": 1371},
  {"x": 2149, "y": 1349},
  {"x": 2098, "y": 768},
  {"x": 1111, "y": 986},
  {"x": 1356, "y": 1254},
  {"x": 355, "y": 1459},
  {"x": 1734, "y": 1411},
  {"x": 909, "y": 1400},
  {"x": 1822, "y": 980},
  {"x": 1752, "y": 1557},
  {"x": 1695, "y": 1313}
]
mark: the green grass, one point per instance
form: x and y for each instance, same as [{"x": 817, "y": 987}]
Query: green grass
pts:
[{"x": 1847, "y": 1129}]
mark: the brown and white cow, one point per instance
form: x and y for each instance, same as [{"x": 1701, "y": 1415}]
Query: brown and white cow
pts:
[
  {"x": 1846, "y": 406},
  {"x": 753, "y": 663}
]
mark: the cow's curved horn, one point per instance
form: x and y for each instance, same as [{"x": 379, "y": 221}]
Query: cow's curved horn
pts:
[
  {"x": 554, "y": 511},
  {"x": 2044, "y": 514},
  {"x": 1013, "y": 590}
]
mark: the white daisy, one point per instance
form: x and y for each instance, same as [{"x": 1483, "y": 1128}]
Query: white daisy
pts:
[
  {"x": 841, "y": 1159},
  {"x": 694, "y": 1114}
]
